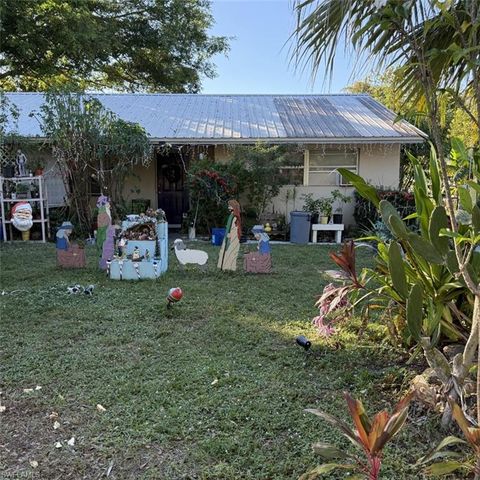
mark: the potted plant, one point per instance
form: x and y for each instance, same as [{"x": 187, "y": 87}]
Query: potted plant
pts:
[
  {"x": 325, "y": 209},
  {"x": 22, "y": 190},
  {"x": 311, "y": 206},
  {"x": 38, "y": 169},
  {"x": 338, "y": 196}
]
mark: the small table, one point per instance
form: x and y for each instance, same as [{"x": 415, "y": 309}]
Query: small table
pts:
[{"x": 338, "y": 228}]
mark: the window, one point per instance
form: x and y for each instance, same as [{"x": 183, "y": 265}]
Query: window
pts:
[
  {"x": 292, "y": 171},
  {"x": 322, "y": 166}
]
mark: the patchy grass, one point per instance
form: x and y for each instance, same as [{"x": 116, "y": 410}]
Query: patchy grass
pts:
[{"x": 213, "y": 389}]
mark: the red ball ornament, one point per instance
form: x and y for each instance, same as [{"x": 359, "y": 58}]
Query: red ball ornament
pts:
[{"x": 174, "y": 295}]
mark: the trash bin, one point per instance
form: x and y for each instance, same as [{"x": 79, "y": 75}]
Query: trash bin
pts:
[
  {"x": 300, "y": 227},
  {"x": 217, "y": 236}
]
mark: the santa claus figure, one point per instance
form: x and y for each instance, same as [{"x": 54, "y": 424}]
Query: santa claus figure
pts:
[{"x": 22, "y": 218}]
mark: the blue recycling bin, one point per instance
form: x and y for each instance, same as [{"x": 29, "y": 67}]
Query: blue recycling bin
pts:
[
  {"x": 218, "y": 235},
  {"x": 300, "y": 227}
]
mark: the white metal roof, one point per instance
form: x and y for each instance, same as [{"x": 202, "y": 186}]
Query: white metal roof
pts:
[{"x": 191, "y": 118}]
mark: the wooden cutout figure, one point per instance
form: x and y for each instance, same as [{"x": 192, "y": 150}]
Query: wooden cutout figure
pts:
[
  {"x": 105, "y": 231},
  {"x": 68, "y": 255},
  {"x": 187, "y": 255},
  {"x": 261, "y": 260},
  {"x": 227, "y": 259}
]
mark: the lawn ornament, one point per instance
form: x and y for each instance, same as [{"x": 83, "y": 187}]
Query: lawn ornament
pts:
[
  {"x": 74, "y": 289},
  {"x": 142, "y": 248},
  {"x": 69, "y": 255},
  {"x": 174, "y": 295},
  {"x": 105, "y": 231},
  {"x": 186, "y": 255},
  {"x": 21, "y": 161},
  {"x": 89, "y": 290},
  {"x": 227, "y": 260},
  {"x": 22, "y": 218},
  {"x": 302, "y": 341},
  {"x": 259, "y": 261},
  {"x": 62, "y": 238}
]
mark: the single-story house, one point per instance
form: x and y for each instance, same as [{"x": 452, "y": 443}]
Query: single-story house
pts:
[{"x": 340, "y": 130}]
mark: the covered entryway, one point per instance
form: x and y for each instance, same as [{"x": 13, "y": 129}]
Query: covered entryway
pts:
[{"x": 171, "y": 186}]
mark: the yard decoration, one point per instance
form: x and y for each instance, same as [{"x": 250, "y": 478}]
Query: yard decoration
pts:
[
  {"x": 21, "y": 161},
  {"x": 369, "y": 436},
  {"x": 105, "y": 231},
  {"x": 68, "y": 255},
  {"x": 227, "y": 260},
  {"x": 175, "y": 294},
  {"x": 186, "y": 255},
  {"x": 135, "y": 256},
  {"x": 22, "y": 218},
  {"x": 259, "y": 261}
]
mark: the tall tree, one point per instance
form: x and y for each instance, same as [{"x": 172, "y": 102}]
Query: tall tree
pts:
[{"x": 160, "y": 45}]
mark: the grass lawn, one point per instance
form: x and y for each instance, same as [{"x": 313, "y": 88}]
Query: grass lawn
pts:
[{"x": 213, "y": 389}]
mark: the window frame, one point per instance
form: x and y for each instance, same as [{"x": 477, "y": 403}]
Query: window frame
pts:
[{"x": 306, "y": 171}]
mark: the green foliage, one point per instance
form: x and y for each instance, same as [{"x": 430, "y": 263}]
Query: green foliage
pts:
[
  {"x": 155, "y": 45},
  {"x": 366, "y": 212},
  {"x": 91, "y": 143},
  {"x": 472, "y": 437},
  {"x": 211, "y": 185},
  {"x": 416, "y": 272},
  {"x": 262, "y": 177}
]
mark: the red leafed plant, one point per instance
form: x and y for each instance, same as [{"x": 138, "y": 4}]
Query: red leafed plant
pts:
[
  {"x": 370, "y": 436},
  {"x": 333, "y": 300}
]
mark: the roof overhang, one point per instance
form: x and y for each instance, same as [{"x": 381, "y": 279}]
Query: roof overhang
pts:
[
  {"x": 283, "y": 141},
  {"x": 302, "y": 141}
]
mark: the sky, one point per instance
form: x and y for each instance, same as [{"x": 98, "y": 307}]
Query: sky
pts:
[{"x": 258, "y": 60}]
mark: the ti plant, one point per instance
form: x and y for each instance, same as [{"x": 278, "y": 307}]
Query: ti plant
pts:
[
  {"x": 451, "y": 460},
  {"x": 369, "y": 435}
]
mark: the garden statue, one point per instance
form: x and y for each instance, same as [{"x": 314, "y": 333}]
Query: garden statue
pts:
[
  {"x": 21, "y": 161},
  {"x": 62, "y": 239},
  {"x": 186, "y": 255},
  {"x": 22, "y": 218},
  {"x": 68, "y": 255},
  {"x": 259, "y": 261},
  {"x": 227, "y": 259}
]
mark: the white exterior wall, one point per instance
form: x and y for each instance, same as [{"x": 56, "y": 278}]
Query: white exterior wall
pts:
[
  {"x": 377, "y": 164},
  {"x": 145, "y": 180}
]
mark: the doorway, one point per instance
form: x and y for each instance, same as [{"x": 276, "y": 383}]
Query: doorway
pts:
[{"x": 171, "y": 187}]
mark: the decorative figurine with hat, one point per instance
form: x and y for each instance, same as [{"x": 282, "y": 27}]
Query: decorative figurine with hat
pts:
[
  {"x": 69, "y": 255},
  {"x": 22, "y": 218},
  {"x": 261, "y": 260},
  {"x": 62, "y": 239}
]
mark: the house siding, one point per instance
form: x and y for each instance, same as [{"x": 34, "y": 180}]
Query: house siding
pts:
[{"x": 378, "y": 164}]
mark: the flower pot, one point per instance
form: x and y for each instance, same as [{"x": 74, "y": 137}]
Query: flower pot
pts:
[
  {"x": 314, "y": 217},
  {"x": 38, "y": 172},
  {"x": 338, "y": 218},
  {"x": 26, "y": 236},
  {"x": 323, "y": 220}
]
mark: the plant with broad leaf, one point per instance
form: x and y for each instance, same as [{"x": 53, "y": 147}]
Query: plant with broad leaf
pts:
[
  {"x": 369, "y": 435},
  {"x": 453, "y": 461},
  {"x": 424, "y": 279}
]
